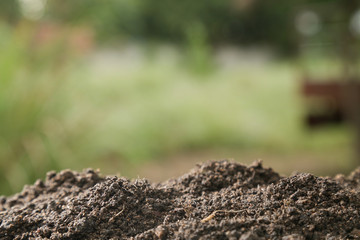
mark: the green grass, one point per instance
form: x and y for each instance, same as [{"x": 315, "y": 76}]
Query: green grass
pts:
[
  {"x": 129, "y": 106},
  {"x": 160, "y": 108},
  {"x": 30, "y": 79}
]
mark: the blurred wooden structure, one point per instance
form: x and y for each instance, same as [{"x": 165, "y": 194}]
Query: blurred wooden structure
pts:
[
  {"x": 330, "y": 100},
  {"x": 337, "y": 100}
]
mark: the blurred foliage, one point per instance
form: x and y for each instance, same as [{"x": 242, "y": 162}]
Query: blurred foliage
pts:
[
  {"x": 246, "y": 22},
  {"x": 9, "y": 11},
  {"x": 225, "y": 21},
  {"x": 199, "y": 52},
  {"x": 30, "y": 77}
]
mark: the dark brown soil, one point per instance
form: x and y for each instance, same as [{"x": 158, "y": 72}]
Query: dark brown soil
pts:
[{"x": 218, "y": 200}]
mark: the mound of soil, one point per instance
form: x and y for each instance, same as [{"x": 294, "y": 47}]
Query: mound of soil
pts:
[{"x": 217, "y": 200}]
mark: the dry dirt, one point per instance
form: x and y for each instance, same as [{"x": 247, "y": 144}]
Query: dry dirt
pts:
[{"x": 216, "y": 200}]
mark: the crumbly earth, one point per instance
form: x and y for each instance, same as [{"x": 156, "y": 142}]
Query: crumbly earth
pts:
[{"x": 216, "y": 200}]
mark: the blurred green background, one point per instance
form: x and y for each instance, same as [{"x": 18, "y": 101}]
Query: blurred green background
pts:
[{"x": 149, "y": 88}]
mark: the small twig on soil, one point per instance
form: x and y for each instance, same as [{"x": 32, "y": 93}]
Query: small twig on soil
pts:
[
  {"x": 116, "y": 215},
  {"x": 212, "y": 215}
]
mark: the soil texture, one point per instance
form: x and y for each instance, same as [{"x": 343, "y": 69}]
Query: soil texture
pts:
[{"x": 216, "y": 200}]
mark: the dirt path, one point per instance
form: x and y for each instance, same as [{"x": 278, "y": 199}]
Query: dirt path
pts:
[{"x": 329, "y": 163}]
